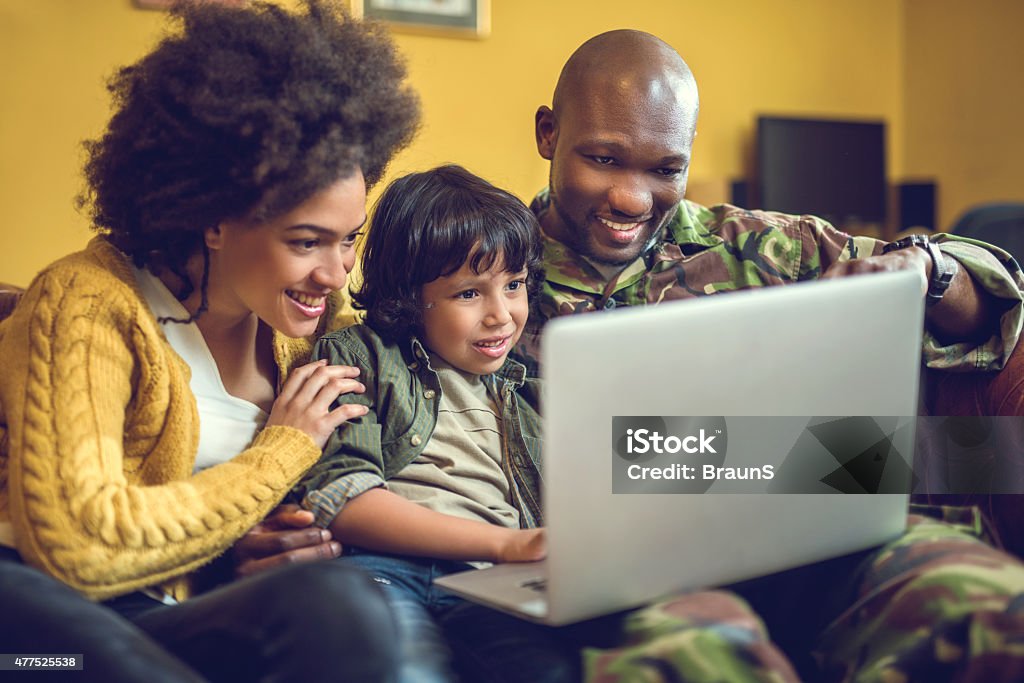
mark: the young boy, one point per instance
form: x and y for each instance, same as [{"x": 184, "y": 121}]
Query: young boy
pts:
[{"x": 444, "y": 469}]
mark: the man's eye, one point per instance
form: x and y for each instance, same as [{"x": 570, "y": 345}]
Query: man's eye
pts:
[
  {"x": 603, "y": 161},
  {"x": 669, "y": 172}
]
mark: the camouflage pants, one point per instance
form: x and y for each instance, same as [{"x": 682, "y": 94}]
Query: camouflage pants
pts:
[{"x": 936, "y": 604}]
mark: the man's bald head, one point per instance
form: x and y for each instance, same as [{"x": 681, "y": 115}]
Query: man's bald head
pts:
[
  {"x": 625, "y": 61},
  {"x": 619, "y": 136}
]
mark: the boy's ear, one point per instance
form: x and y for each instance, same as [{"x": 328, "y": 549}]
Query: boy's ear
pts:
[{"x": 546, "y": 132}]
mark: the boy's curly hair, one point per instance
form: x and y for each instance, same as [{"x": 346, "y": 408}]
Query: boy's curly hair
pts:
[
  {"x": 242, "y": 112},
  {"x": 427, "y": 225}
]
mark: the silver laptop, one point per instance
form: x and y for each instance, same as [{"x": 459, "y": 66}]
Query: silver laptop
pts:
[{"x": 845, "y": 347}]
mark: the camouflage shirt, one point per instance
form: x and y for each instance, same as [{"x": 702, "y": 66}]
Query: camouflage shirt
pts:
[{"x": 706, "y": 251}]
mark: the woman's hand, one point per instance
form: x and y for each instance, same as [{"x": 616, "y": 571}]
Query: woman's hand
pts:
[
  {"x": 287, "y": 535},
  {"x": 523, "y": 545},
  {"x": 306, "y": 397}
]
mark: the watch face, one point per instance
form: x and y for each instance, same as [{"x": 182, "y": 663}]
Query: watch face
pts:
[{"x": 906, "y": 243}]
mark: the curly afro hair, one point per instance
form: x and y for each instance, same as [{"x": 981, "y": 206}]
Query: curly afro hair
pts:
[{"x": 243, "y": 112}]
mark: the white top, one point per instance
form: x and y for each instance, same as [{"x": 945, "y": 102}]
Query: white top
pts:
[{"x": 227, "y": 424}]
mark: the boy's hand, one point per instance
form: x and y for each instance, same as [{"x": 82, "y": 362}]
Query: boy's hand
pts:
[
  {"x": 286, "y": 536},
  {"x": 523, "y": 545},
  {"x": 307, "y": 395}
]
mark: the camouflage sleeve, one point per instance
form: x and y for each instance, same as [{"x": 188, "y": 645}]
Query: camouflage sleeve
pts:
[
  {"x": 824, "y": 246},
  {"x": 999, "y": 275}
]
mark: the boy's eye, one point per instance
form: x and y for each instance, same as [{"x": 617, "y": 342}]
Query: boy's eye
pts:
[{"x": 516, "y": 285}]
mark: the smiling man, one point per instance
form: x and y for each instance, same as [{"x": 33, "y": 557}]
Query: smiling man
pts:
[
  {"x": 617, "y": 172},
  {"x": 936, "y": 604},
  {"x": 618, "y": 231}
]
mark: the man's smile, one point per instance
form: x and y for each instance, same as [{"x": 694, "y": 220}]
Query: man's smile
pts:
[
  {"x": 621, "y": 227},
  {"x": 621, "y": 233}
]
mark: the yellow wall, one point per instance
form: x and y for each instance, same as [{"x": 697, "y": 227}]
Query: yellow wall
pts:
[
  {"x": 832, "y": 57},
  {"x": 964, "y": 100},
  {"x": 56, "y": 56}
]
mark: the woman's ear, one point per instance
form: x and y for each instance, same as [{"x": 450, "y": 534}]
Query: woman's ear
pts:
[{"x": 214, "y": 237}]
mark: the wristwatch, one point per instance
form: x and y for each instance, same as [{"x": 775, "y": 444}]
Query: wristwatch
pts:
[{"x": 943, "y": 269}]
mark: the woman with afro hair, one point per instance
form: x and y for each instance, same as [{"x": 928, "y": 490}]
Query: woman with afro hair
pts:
[{"x": 156, "y": 399}]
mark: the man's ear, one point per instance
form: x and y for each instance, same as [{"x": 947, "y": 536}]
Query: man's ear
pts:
[{"x": 546, "y": 130}]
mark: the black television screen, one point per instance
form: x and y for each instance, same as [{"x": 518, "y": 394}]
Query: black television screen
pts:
[{"x": 832, "y": 169}]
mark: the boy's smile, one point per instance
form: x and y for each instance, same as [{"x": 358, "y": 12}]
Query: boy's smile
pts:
[{"x": 473, "y": 320}]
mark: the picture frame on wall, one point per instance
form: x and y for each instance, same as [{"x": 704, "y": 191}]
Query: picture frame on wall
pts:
[
  {"x": 458, "y": 18},
  {"x": 167, "y": 4}
]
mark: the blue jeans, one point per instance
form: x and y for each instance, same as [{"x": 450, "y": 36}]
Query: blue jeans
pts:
[{"x": 445, "y": 638}]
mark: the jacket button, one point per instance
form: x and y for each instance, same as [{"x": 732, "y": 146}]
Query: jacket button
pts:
[
  {"x": 414, "y": 365},
  {"x": 429, "y": 394},
  {"x": 416, "y": 439}
]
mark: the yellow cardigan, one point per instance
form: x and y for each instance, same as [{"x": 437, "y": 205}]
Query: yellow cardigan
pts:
[{"x": 99, "y": 430}]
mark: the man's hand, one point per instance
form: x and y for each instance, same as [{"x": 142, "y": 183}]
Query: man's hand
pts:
[
  {"x": 903, "y": 259},
  {"x": 287, "y": 535},
  {"x": 966, "y": 312}
]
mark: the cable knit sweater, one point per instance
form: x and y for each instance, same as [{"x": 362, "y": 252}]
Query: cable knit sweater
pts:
[{"x": 98, "y": 435}]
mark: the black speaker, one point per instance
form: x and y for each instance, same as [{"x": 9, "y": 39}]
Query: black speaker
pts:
[
  {"x": 739, "y": 194},
  {"x": 914, "y": 205}
]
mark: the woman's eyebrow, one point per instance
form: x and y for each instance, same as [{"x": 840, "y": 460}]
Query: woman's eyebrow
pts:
[
  {"x": 319, "y": 229},
  {"x": 312, "y": 227}
]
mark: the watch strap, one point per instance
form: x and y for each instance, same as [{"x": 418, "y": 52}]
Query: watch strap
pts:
[{"x": 943, "y": 269}]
